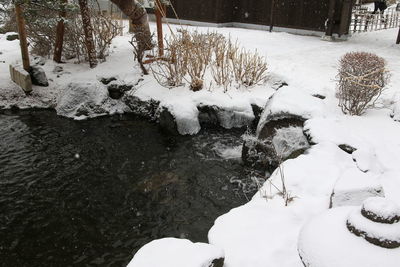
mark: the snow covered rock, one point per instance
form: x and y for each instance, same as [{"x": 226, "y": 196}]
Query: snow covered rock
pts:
[
  {"x": 38, "y": 76},
  {"x": 353, "y": 187},
  {"x": 82, "y": 100},
  {"x": 172, "y": 252},
  {"x": 11, "y": 36},
  {"x": 377, "y": 222},
  {"x": 224, "y": 117},
  {"x": 325, "y": 241},
  {"x": 117, "y": 89},
  {"x": 148, "y": 109},
  {"x": 279, "y": 133},
  {"x": 179, "y": 117}
]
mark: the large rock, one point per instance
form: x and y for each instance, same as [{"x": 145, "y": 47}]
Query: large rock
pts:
[
  {"x": 148, "y": 109},
  {"x": 172, "y": 252},
  {"x": 353, "y": 187},
  {"x": 214, "y": 115},
  {"x": 82, "y": 100},
  {"x": 117, "y": 89},
  {"x": 38, "y": 76}
]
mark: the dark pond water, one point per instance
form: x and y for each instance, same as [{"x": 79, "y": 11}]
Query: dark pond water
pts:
[{"x": 91, "y": 193}]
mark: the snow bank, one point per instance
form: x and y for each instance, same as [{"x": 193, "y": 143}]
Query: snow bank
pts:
[{"x": 172, "y": 252}]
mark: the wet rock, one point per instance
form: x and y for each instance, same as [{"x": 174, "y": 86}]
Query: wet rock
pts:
[
  {"x": 168, "y": 122},
  {"x": 173, "y": 252},
  {"x": 38, "y": 76},
  {"x": 214, "y": 115},
  {"x": 116, "y": 90},
  {"x": 107, "y": 80},
  {"x": 12, "y": 36},
  {"x": 148, "y": 109},
  {"x": 257, "y": 110}
]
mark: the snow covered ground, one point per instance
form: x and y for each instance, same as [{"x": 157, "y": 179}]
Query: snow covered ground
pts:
[{"x": 264, "y": 232}]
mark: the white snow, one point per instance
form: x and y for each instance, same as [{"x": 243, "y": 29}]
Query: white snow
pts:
[
  {"x": 172, "y": 252},
  {"x": 355, "y": 186},
  {"x": 382, "y": 207},
  {"x": 325, "y": 241}
]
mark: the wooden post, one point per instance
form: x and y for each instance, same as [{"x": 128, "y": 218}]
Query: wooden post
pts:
[
  {"x": 22, "y": 37},
  {"x": 160, "y": 10},
  {"x": 58, "y": 47},
  {"x": 272, "y": 13},
  {"x": 398, "y": 37},
  {"x": 331, "y": 18}
]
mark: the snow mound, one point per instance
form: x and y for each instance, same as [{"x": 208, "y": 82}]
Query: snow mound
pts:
[
  {"x": 172, "y": 252},
  {"x": 81, "y": 100},
  {"x": 353, "y": 187},
  {"x": 371, "y": 229},
  {"x": 326, "y": 242}
]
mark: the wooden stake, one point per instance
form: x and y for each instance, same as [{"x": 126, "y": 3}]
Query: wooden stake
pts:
[
  {"x": 398, "y": 37},
  {"x": 58, "y": 47},
  {"x": 22, "y": 37},
  {"x": 159, "y": 15},
  {"x": 272, "y": 14}
]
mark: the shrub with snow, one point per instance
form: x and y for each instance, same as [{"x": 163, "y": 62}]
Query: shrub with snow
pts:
[{"x": 362, "y": 79}]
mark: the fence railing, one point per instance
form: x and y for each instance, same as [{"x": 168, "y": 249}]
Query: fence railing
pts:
[{"x": 364, "y": 21}]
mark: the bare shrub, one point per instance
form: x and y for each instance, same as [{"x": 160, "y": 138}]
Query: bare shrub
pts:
[
  {"x": 362, "y": 79},
  {"x": 41, "y": 25},
  {"x": 191, "y": 55}
]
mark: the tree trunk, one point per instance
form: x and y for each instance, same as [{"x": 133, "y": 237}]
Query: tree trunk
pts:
[
  {"x": 58, "y": 47},
  {"x": 87, "y": 28},
  {"x": 138, "y": 16}
]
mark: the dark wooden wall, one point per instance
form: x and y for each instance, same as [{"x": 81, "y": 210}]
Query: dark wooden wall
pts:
[{"x": 297, "y": 14}]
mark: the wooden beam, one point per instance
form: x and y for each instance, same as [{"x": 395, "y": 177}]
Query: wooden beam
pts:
[{"x": 22, "y": 37}]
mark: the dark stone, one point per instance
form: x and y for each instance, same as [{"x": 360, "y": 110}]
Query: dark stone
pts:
[
  {"x": 257, "y": 115},
  {"x": 379, "y": 219},
  {"x": 319, "y": 96},
  {"x": 106, "y": 81},
  {"x": 381, "y": 242},
  {"x": 208, "y": 115},
  {"x": 12, "y": 37},
  {"x": 58, "y": 69},
  {"x": 347, "y": 148},
  {"x": 116, "y": 91},
  {"x": 146, "y": 109},
  {"x": 217, "y": 262},
  {"x": 14, "y": 108},
  {"x": 168, "y": 122},
  {"x": 38, "y": 76}
]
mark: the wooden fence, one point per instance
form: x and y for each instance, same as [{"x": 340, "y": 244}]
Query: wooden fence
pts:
[{"x": 363, "y": 20}]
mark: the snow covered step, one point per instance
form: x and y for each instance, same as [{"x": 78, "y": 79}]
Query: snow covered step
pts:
[
  {"x": 325, "y": 241},
  {"x": 173, "y": 252},
  {"x": 353, "y": 187}
]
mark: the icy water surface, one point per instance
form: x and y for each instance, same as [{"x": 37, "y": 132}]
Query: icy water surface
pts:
[{"x": 91, "y": 193}]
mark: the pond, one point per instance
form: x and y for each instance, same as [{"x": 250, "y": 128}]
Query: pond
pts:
[{"x": 91, "y": 193}]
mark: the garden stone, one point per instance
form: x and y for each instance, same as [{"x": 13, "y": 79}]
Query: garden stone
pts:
[{"x": 38, "y": 76}]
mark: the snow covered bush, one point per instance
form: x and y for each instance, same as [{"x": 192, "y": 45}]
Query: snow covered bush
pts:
[
  {"x": 362, "y": 79},
  {"x": 195, "y": 57}
]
